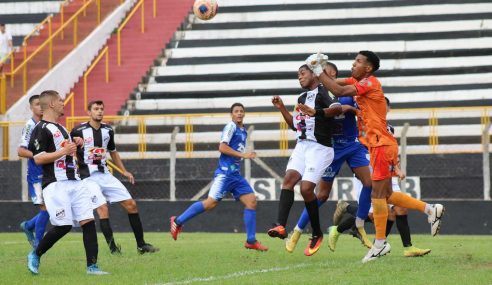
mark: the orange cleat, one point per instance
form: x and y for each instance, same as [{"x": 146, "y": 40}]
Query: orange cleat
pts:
[
  {"x": 278, "y": 231},
  {"x": 175, "y": 229},
  {"x": 313, "y": 246},
  {"x": 256, "y": 246}
]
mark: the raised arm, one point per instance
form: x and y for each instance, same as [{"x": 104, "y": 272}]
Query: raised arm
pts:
[{"x": 279, "y": 104}]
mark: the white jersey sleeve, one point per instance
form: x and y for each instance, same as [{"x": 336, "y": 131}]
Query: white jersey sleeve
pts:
[
  {"x": 26, "y": 133},
  {"x": 228, "y": 133}
]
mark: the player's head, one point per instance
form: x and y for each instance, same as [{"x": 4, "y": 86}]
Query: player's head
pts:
[
  {"x": 331, "y": 69},
  {"x": 237, "y": 113},
  {"x": 365, "y": 64},
  {"x": 51, "y": 101},
  {"x": 306, "y": 77},
  {"x": 95, "y": 110},
  {"x": 2, "y": 27},
  {"x": 388, "y": 104},
  {"x": 35, "y": 105}
]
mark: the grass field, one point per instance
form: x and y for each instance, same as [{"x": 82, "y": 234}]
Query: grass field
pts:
[{"x": 209, "y": 258}]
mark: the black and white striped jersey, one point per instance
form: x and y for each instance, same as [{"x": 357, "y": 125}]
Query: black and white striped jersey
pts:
[
  {"x": 49, "y": 137},
  {"x": 97, "y": 142},
  {"x": 318, "y": 129}
]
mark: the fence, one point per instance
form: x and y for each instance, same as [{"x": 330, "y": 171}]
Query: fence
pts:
[{"x": 173, "y": 157}]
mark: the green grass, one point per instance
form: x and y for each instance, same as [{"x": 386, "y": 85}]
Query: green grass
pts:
[{"x": 221, "y": 258}]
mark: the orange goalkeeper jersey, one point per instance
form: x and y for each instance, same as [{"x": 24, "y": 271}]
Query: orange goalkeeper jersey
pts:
[{"x": 372, "y": 116}]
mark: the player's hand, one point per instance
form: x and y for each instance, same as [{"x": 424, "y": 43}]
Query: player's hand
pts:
[
  {"x": 306, "y": 109},
  {"x": 277, "y": 102},
  {"x": 129, "y": 176},
  {"x": 317, "y": 62},
  {"x": 70, "y": 148},
  {"x": 78, "y": 141},
  {"x": 399, "y": 173},
  {"x": 250, "y": 155}
]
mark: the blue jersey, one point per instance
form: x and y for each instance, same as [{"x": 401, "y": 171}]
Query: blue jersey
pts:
[
  {"x": 235, "y": 137},
  {"x": 345, "y": 130},
  {"x": 34, "y": 171}
]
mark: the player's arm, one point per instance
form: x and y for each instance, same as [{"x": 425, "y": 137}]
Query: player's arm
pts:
[
  {"x": 115, "y": 156},
  {"x": 42, "y": 147},
  {"x": 224, "y": 148},
  {"x": 335, "y": 88},
  {"x": 279, "y": 104},
  {"x": 335, "y": 109},
  {"x": 349, "y": 109},
  {"x": 24, "y": 152}
]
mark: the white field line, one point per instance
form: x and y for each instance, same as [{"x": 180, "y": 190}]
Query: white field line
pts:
[{"x": 242, "y": 273}]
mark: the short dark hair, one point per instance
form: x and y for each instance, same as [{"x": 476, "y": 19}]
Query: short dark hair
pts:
[
  {"x": 387, "y": 101},
  {"x": 32, "y": 98},
  {"x": 2, "y": 24},
  {"x": 236, "y": 105},
  {"x": 95, "y": 102},
  {"x": 46, "y": 97},
  {"x": 372, "y": 58},
  {"x": 334, "y": 67},
  {"x": 305, "y": 66}
]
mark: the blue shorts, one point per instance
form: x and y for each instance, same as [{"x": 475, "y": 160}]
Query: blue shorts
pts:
[
  {"x": 235, "y": 184},
  {"x": 35, "y": 192},
  {"x": 355, "y": 154}
]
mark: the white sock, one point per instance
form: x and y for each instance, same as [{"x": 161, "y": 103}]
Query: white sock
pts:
[
  {"x": 297, "y": 228},
  {"x": 429, "y": 209},
  {"x": 379, "y": 243},
  {"x": 359, "y": 222}
]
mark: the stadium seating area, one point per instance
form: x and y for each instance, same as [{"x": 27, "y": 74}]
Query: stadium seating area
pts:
[{"x": 434, "y": 55}]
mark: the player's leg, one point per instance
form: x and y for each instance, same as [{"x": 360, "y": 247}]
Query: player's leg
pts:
[
  {"x": 215, "y": 194},
  {"x": 294, "y": 171},
  {"x": 243, "y": 192},
  {"x": 433, "y": 211},
  {"x": 32, "y": 226},
  {"x": 57, "y": 201},
  {"x": 83, "y": 213},
  {"x": 404, "y": 230}
]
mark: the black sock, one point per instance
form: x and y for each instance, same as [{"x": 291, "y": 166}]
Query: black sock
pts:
[
  {"x": 108, "y": 233},
  {"x": 286, "y": 202},
  {"x": 90, "y": 242},
  {"x": 351, "y": 209},
  {"x": 313, "y": 212},
  {"x": 51, "y": 237},
  {"x": 389, "y": 225},
  {"x": 404, "y": 230},
  {"x": 137, "y": 228},
  {"x": 346, "y": 224}
]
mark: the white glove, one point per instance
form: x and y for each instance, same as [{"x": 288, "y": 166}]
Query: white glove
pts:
[{"x": 317, "y": 62}]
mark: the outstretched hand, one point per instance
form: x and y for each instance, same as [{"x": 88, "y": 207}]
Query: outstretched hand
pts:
[{"x": 305, "y": 109}]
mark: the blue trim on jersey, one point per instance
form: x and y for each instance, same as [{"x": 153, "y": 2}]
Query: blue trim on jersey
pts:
[
  {"x": 355, "y": 154},
  {"x": 235, "y": 137},
  {"x": 235, "y": 184}
]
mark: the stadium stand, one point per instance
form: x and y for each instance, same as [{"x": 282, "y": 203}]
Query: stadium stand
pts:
[{"x": 434, "y": 55}]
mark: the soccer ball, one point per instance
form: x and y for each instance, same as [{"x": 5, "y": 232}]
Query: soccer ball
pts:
[{"x": 205, "y": 9}]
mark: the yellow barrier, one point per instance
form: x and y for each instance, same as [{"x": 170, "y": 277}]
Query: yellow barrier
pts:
[
  {"x": 6, "y": 137},
  {"x": 70, "y": 98},
  {"x": 3, "y": 93},
  {"x": 141, "y": 5},
  {"x": 112, "y": 166},
  {"x": 105, "y": 53}
]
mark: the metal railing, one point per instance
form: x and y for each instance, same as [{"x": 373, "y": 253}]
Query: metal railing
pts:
[
  {"x": 104, "y": 52},
  {"x": 140, "y": 5},
  {"x": 45, "y": 56},
  {"x": 70, "y": 99}
]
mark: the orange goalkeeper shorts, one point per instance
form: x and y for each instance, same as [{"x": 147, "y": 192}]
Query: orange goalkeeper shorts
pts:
[{"x": 383, "y": 161}]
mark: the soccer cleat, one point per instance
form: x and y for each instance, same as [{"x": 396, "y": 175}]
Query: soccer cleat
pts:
[
  {"x": 333, "y": 235},
  {"x": 313, "y": 245},
  {"x": 362, "y": 236},
  {"x": 256, "y": 246},
  {"x": 33, "y": 262},
  {"x": 115, "y": 249},
  {"x": 29, "y": 234},
  {"x": 339, "y": 211},
  {"x": 413, "y": 251},
  {"x": 278, "y": 231},
  {"x": 175, "y": 229},
  {"x": 147, "y": 247},
  {"x": 435, "y": 218},
  {"x": 94, "y": 270},
  {"x": 375, "y": 252},
  {"x": 291, "y": 242}
]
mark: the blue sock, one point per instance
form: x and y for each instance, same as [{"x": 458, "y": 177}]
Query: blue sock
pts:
[
  {"x": 40, "y": 227},
  {"x": 32, "y": 222},
  {"x": 249, "y": 217},
  {"x": 304, "y": 219},
  {"x": 364, "y": 203},
  {"x": 192, "y": 211}
]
